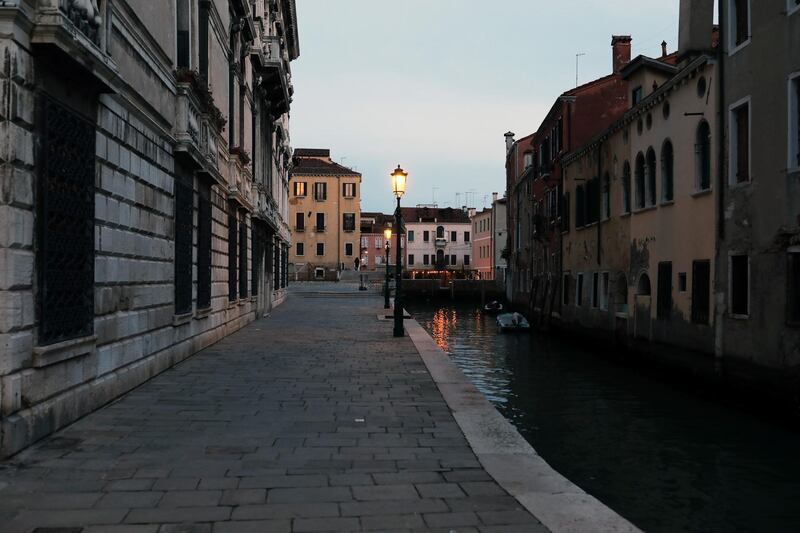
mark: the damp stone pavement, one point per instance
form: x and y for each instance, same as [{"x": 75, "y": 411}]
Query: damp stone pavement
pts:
[{"x": 312, "y": 419}]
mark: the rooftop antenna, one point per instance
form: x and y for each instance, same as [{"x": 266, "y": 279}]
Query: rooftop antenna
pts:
[{"x": 577, "y": 57}]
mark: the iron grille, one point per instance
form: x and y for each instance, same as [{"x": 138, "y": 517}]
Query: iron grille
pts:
[
  {"x": 204, "y": 248},
  {"x": 65, "y": 228},
  {"x": 184, "y": 229}
]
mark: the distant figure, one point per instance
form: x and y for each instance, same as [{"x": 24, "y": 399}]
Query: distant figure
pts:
[{"x": 357, "y": 262}]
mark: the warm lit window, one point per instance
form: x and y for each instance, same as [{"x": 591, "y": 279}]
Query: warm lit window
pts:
[
  {"x": 740, "y": 143},
  {"x": 739, "y": 285},
  {"x": 300, "y": 188}
]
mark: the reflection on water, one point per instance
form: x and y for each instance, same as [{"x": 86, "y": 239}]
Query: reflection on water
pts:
[{"x": 664, "y": 458}]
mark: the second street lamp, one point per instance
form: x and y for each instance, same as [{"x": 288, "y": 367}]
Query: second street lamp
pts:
[
  {"x": 399, "y": 177},
  {"x": 387, "y": 235}
]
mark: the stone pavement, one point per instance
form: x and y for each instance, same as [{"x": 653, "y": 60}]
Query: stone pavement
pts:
[{"x": 314, "y": 419}]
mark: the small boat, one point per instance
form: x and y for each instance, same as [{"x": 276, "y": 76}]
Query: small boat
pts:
[
  {"x": 512, "y": 322},
  {"x": 493, "y": 308}
]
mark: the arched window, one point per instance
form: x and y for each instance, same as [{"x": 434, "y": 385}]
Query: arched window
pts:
[
  {"x": 439, "y": 258},
  {"x": 640, "y": 181},
  {"x": 651, "y": 176},
  {"x": 440, "y": 232},
  {"x": 702, "y": 151},
  {"x": 643, "y": 287},
  {"x": 667, "y": 165},
  {"x": 626, "y": 187},
  {"x": 606, "y": 196}
]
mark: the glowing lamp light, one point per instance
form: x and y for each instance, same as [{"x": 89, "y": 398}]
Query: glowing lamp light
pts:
[
  {"x": 399, "y": 177},
  {"x": 387, "y": 234}
]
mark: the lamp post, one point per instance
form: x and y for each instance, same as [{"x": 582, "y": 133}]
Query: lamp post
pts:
[
  {"x": 387, "y": 235},
  {"x": 399, "y": 177}
]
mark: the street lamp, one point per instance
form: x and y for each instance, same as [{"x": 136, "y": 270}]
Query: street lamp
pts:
[
  {"x": 387, "y": 235},
  {"x": 399, "y": 177}
]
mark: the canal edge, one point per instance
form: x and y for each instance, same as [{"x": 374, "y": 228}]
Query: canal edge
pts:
[{"x": 558, "y": 503}]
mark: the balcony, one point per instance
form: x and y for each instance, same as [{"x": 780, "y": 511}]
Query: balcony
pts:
[
  {"x": 74, "y": 32},
  {"x": 195, "y": 133},
  {"x": 440, "y": 242},
  {"x": 275, "y": 74}
]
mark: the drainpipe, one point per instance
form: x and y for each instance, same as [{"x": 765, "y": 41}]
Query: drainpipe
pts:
[
  {"x": 719, "y": 304},
  {"x": 600, "y": 200}
]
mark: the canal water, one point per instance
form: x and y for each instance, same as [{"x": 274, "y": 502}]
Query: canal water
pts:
[{"x": 661, "y": 456}]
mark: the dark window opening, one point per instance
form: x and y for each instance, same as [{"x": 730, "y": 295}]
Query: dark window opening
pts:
[
  {"x": 626, "y": 187},
  {"x": 65, "y": 224},
  {"x": 466, "y": 236},
  {"x": 348, "y": 249},
  {"x": 793, "y": 289},
  {"x": 440, "y": 232},
  {"x": 664, "y": 304},
  {"x": 740, "y": 16},
  {"x": 453, "y": 236},
  {"x": 204, "y": 221},
  {"x": 741, "y": 149},
  {"x": 299, "y": 248},
  {"x": 466, "y": 260},
  {"x": 426, "y": 236},
  {"x": 651, "y": 176},
  {"x": 640, "y": 196},
  {"x": 667, "y": 169},
  {"x": 184, "y": 25},
  {"x": 320, "y": 248},
  {"x": 703, "y": 156},
  {"x": 349, "y": 221},
  {"x": 233, "y": 248},
  {"x": 243, "y": 258},
  {"x": 740, "y": 285},
  {"x": 184, "y": 233},
  {"x": 300, "y": 221},
  {"x": 701, "y": 291},
  {"x": 636, "y": 95},
  {"x": 320, "y": 221}
]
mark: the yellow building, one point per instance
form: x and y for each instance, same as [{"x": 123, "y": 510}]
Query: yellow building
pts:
[{"x": 324, "y": 214}]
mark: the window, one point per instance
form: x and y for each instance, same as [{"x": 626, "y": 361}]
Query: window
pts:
[
  {"x": 701, "y": 291},
  {"x": 440, "y": 232},
  {"x": 579, "y": 290},
  {"x": 349, "y": 190},
  {"x": 466, "y": 236},
  {"x": 349, "y": 221},
  {"x": 740, "y": 143},
  {"x": 65, "y": 226},
  {"x": 184, "y": 234},
  {"x": 640, "y": 196},
  {"x": 426, "y": 236},
  {"x": 453, "y": 236},
  {"x": 320, "y": 191},
  {"x": 466, "y": 260},
  {"x": 604, "y": 291},
  {"x": 426, "y": 259},
  {"x": 184, "y": 31},
  {"x": 605, "y": 209},
  {"x": 320, "y": 222},
  {"x": 204, "y": 246},
  {"x": 566, "y": 282},
  {"x": 794, "y": 121},
  {"x": 257, "y": 240},
  {"x": 348, "y": 249},
  {"x": 702, "y": 150},
  {"x": 300, "y": 188},
  {"x": 667, "y": 166},
  {"x": 243, "y": 257},
  {"x": 651, "y": 176},
  {"x": 300, "y": 249},
  {"x": 410, "y": 259},
  {"x": 682, "y": 282},
  {"x": 320, "y": 248},
  {"x": 626, "y": 187},
  {"x": 793, "y": 287},
  {"x": 595, "y": 289},
  {"x": 528, "y": 159},
  {"x": 411, "y": 235},
  {"x": 636, "y": 95},
  {"x": 378, "y": 242},
  {"x": 299, "y": 222},
  {"x": 739, "y": 22},
  {"x": 664, "y": 304},
  {"x": 740, "y": 285},
  {"x": 319, "y": 273},
  {"x": 233, "y": 248}
]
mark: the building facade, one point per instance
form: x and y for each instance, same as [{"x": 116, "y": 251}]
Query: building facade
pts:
[
  {"x": 373, "y": 242},
  {"x": 500, "y": 239},
  {"x": 482, "y": 256},
  {"x": 439, "y": 240},
  {"x": 325, "y": 210},
  {"x": 144, "y": 164},
  {"x": 758, "y": 262}
]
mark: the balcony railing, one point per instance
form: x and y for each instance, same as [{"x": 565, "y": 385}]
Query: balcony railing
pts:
[
  {"x": 276, "y": 77},
  {"x": 196, "y": 137},
  {"x": 441, "y": 242}
]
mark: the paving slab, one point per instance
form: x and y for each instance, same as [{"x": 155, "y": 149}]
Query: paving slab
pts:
[{"x": 313, "y": 419}]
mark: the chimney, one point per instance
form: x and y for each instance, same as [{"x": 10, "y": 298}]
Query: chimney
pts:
[
  {"x": 509, "y": 141},
  {"x": 695, "y": 26},
  {"x": 663, "y": 48},
  {"x": 494, "y": 198},
  {"x": 621, "y": 51}
]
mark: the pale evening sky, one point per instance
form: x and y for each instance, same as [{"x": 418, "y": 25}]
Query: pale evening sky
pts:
[{"x": 434, "y": 84}]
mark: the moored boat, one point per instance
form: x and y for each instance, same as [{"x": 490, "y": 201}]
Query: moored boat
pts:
[{"x": 512, "y": 322}]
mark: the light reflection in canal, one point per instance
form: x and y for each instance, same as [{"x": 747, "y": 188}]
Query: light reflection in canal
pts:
[{"x": 663, "y": 457}]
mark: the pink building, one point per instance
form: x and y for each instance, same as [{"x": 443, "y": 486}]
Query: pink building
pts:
[
  {"x": 373, "y": 251},
  {"x": 482, "y": 249}
]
